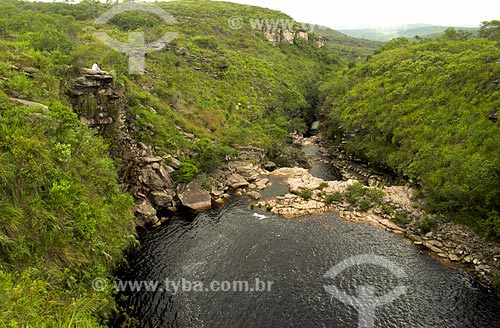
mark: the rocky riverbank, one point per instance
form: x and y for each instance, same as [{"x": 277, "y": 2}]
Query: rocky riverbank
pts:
[
  {"x": 397, "y": 210},
  {"x": 148, "y": 177}
]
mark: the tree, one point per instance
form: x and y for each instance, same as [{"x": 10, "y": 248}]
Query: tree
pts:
[{"x": 490, "y": 30}]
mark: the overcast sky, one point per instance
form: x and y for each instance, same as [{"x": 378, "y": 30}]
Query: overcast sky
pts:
[
  {"x": 348, "y": 14},
  {"x": 385, "y": 13}
]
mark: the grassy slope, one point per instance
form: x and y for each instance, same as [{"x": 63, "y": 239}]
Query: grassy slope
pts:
[
  {"x": 410, "y": 31},
  {"x": 64, "y": 220},
  {"x": 423, "y": 109},
  {"x": 347, "y": 46}
]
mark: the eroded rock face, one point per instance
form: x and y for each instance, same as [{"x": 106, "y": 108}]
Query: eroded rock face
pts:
[
  {"x": 96, "y": 89},
  {"x": 194, "y": 196}
]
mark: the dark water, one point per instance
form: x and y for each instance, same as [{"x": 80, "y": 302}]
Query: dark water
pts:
[
  {"x": 295, "y": 254},
  {"x": 234, "y": 245},
  {"x": 318, "y": 167}
]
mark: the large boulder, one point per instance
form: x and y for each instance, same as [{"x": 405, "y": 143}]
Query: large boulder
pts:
[
  {"x": 194, "y": 196},
  {"x": 248, "y": 171},
  {"x": 236, "y": 181}
]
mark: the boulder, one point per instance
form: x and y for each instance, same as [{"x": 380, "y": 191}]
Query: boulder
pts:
[
  {"x": 431, "y": 246},
  {"x": 29, "y": 103},
  {"x": 194, "y": 196},
  {"x": 144, "y": 213},
  {"x": 249, "y": 172},
  {"x": 152, "y": 180},
  {"x": 172, "y": 162},
  {"x": 161, "y": 198},
  {"x": 270, "y": 166},
  {"x": 236, "y": 181},
  {"x": 152, "y": 159},
  {"x": 254, "y": 194},
  {"x": 163, "y": 173},
  {"x": 261, "y": 184}
]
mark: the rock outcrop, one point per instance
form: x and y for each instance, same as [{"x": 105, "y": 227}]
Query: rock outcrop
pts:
[
  {"x": 94, "y": 98},
  {"x": 277, "y": 36}
]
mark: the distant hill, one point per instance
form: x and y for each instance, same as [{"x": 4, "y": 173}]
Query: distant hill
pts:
[
  {"x": 407, "y": 31},
  {"x": 346, "y": 46}
]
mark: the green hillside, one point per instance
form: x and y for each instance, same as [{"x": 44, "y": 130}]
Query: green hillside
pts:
[
  {"x": 64, "y": 218},
  {"x": 347, "y": 46},
  {"x": 407, "y": 31},
  {"x": 429, "y": 111}
]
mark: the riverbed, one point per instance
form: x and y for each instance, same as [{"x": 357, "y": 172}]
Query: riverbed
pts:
[{"x": 236, "y": 243}]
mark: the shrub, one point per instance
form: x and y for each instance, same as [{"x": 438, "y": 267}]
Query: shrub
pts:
[
  {"x": 402, "y": 219},
  {"x": 306, "y": 194},
  {"x": 331, "y": 198},
  {"x": 427, "y": 224},
  {"x": 362, "y": 197},
  {"x": 186, "y": 172}
]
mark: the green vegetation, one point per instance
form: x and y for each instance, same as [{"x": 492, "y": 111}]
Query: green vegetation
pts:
[
  {"x": 64, "y": 219},
  {"x": 428, "y": 111},
  {"x": 187, "y": 172},
  {"x": 423, "y": 109},
  {"x": 427, "y": 224},
  {"x": 323, "y": 185},
  {"x": 333, "y": 198},
  {"x": 363, "y": 197},
  {"x": 411, "y": 31},
  {"x": 401, "y": 218},
  {"x": 306, "y": 194},
  {"x": 347, "y": 46}
]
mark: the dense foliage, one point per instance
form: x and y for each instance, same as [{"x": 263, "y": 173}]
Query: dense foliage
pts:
[
  {"x": 427, "y": 110},
  {"x": 63, "y": 218}
]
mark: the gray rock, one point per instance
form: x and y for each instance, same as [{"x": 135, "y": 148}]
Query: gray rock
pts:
[
  {"x": 432, "y": 247},
  {"x": 163, "y": 172},
  {"x": 161, "y": 198},
  {"x": 173, "y": 162},
  {"x": 194, "y": 196},
  {"x": 152, "y": 159},
  {"x": 145, "y": 213},
  {"x": 152, "y": 180},
  {"x": 236, "y": 181}
]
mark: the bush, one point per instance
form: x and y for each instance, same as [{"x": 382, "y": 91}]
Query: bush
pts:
[
  {"x": 323, "y": 185},
  {"x": 401, "y": 219},
  {"x": 427, "y": 224},
  {"x": 362, "y": 197},
  {"x": 306, "y": 194},
  {"x": 186, "y": 172},
  {"x": 332, "y": 198}
]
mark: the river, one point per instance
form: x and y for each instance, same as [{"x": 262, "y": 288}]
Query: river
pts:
[{"x": 233, "y": 244}]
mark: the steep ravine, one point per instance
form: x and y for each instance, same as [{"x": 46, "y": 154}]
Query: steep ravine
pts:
[
  {"x": 243, "y": 241},
  {"x": 148, "y": 178}
]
